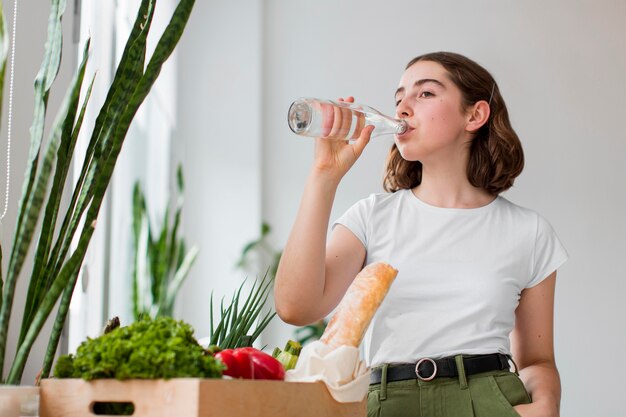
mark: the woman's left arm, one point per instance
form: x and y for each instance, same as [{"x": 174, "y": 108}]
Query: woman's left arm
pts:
[{"x": 532, "y": 345}]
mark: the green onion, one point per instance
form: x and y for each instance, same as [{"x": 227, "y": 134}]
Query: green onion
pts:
[{"x": 236, "y": 321}]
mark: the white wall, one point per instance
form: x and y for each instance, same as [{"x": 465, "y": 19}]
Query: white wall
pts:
[
  {"x": 560, "y": 66},
  {"x": 218, "y": 140}
]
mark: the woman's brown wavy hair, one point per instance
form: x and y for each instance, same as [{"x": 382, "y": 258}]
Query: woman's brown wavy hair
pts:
[{"x": 496, "y": 157}]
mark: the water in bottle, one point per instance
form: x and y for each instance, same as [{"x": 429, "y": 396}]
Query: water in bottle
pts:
[{"x": 339, "y": 120}]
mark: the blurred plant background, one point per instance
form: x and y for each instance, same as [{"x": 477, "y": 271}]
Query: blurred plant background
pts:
[
  {"x": 161, "y": 261},
  {"x": 260, "y": 254}
]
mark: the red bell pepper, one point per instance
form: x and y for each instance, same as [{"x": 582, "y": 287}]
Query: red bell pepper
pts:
[
  {"x": 265, "y": 366},
  {"x": 238, "y": 364},
  {"x": 250, "y": 363}
]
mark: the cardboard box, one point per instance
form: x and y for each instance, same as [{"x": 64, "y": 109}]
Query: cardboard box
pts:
[{"x": 189, "y": 397}]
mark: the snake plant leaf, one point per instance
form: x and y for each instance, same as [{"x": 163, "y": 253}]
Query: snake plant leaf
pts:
[
  {"x": 61, "y": 135},
  {"x": 175, "y": 248},
  {"x": 138, "y": 220},
  {"x": 4, "y": 49},
  {"x": 179, "y": 278},
  {"x": 48, "y": 303},
  {"x": 31, "y": 202},
  {"x": 1, "y": 281},
  {"x": 180, "y": 180},
  {"x": 129, "y": 69},
  {"x": 60, "y": 320},
  {"x": 83, "y": 198},
  {"x": 175, "y": 245},
  {"x": 126, "y": 77},
  {"x": 211, "y": 327},
  {"x": 130, "y": 87},
  {"x": 170, "y": 37},
  {"x": 169, "y": 262},
  {"x": 144, "y": 271},
  {"x": 43, "y": 82},
  {"x": 159, "y": 266},
  {"x": 4, "y": 52},
  {"x": 60, "y": 142}
]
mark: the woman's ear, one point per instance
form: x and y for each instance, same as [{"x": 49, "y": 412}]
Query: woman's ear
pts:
[{"x": 477, "y": 116}]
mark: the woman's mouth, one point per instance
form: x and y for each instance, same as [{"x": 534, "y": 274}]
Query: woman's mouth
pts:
[{"x": 406, "y": 133}]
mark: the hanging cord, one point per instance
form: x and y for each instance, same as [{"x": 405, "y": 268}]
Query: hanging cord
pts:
[{"x": 6, "y": 195}]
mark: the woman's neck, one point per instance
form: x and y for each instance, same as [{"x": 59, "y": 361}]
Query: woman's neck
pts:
[{"x": 446, "y": 185}]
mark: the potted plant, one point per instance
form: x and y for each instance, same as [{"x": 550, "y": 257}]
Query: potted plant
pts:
[{"x": 56, "y": 261}]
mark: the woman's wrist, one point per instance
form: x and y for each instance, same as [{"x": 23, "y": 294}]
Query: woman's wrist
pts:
[{"x": 326, "y": 178}]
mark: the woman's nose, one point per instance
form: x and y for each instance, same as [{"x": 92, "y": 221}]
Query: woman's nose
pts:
[{"x": 403, "y": 110}]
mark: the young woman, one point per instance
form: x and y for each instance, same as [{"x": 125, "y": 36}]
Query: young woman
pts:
[{"x": 477, "y": 273}]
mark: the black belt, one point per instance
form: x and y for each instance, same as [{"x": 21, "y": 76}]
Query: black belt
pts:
[{"x": 427, "y": 369}]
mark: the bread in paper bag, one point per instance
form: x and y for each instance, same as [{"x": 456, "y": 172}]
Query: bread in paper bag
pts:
[{"x": 355, "y": 311}]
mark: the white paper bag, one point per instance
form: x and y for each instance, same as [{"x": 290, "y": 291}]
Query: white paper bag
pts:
[{"x": 345, "y": 375}]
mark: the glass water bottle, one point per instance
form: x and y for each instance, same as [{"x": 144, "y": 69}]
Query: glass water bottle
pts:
[{"x": 338, "y": 119}]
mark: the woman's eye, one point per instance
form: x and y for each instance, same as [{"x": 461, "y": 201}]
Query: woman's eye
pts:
[{"x": 426, "y": 94}]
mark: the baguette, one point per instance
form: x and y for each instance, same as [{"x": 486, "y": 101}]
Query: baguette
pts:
[{"x": 355, "y": 311}]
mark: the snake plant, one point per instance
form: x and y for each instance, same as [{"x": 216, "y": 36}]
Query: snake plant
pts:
[
  {"x": 161, "y": 262},
  {"x": 56, "y": 260}
]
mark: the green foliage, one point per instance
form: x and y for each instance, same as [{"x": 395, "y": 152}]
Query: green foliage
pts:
[
  {"x": 64, "y": 367},
  {"x": 262, "y": 248},
  {"x": 147, "y": 349},
  {"x": 233, "y": 329},
  {"x": 161, "y": 260},
  {"x": 311, "y": 332},
  {"x": 65, "y": 234},
  {"x": 4, "y": 50}
]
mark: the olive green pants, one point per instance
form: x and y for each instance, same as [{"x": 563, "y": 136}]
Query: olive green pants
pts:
[{"x": 490, "y": 394}]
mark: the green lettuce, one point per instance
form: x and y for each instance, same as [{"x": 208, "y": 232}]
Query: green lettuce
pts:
[{"x": 147, "y": 349}]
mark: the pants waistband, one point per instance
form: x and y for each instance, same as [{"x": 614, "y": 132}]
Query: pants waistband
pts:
[{"x": 427, "y": 369}]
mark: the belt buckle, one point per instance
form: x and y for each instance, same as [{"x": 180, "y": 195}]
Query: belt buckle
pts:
[{"x": 426, "y": 378}]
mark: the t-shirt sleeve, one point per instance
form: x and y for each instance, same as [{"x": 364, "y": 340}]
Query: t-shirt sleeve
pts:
[
  {"x": 356, "y": 219},
  {"x": 549, "y": 253}
]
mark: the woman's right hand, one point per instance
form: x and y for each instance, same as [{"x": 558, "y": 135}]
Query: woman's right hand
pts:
[
  {"x": 306, "y": 286},
  {"x": 334, "y": 155}
]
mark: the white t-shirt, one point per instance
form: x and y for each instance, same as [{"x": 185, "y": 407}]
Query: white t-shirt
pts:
[{"x": 460, "y": 273}]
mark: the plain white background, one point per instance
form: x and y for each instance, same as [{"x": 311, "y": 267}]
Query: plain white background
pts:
[{"x": 560, "y": 66}]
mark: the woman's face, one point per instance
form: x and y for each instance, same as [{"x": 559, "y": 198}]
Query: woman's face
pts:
[{"x": 431, "y": 105}]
